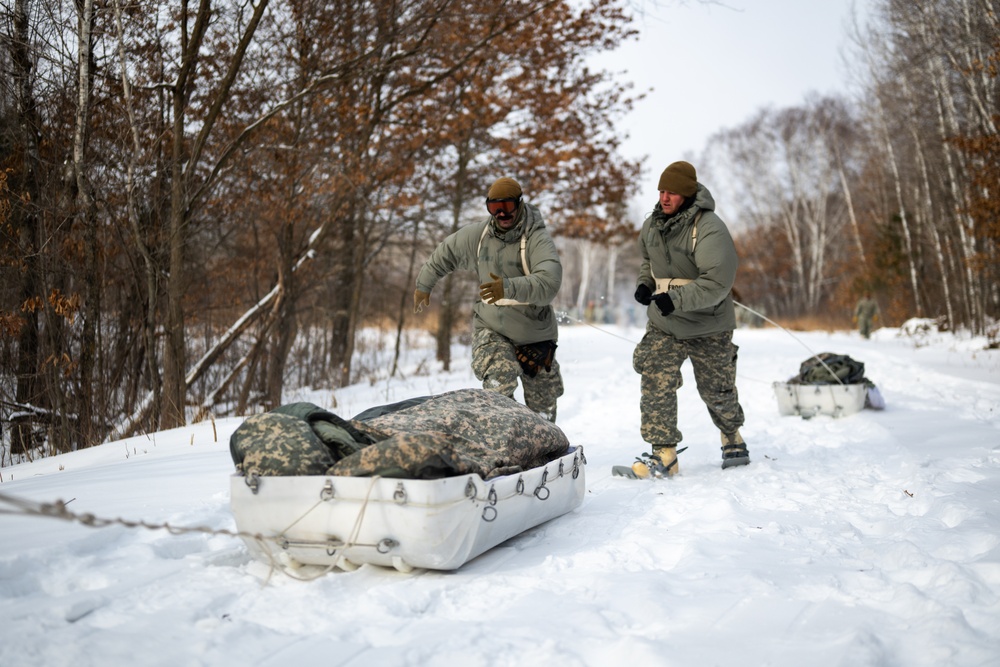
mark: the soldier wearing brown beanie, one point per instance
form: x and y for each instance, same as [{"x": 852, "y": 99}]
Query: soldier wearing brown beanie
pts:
[{"x": 686, "y": 280}]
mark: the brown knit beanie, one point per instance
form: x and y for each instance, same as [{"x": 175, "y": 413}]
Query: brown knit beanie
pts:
[
  {"x": 679, "y": 178},
  {"x": 504, "y": 188}
]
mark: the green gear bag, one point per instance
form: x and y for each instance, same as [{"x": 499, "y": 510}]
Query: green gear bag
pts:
[{"x": 844, "y": 370}]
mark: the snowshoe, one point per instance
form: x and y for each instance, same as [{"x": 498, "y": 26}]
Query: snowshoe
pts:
[
  {"x": 623, "y": 471},
  {"x": 651, "y": 466}
]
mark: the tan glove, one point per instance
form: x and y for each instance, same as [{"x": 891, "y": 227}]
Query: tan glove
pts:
[
  {"x": 492, "y": 291},
  {"x": 420, "y": 299}
]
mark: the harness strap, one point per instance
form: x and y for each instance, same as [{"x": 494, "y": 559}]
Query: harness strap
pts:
[
  {"x": 694, "y": 230},
  {"x": 524, "y": 266},
  {"x": 664, "y": 284}
]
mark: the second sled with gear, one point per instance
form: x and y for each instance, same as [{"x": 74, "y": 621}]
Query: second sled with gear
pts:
[
  {"x": 827, "y": 384},
  {"x": 809, "y": 400}
]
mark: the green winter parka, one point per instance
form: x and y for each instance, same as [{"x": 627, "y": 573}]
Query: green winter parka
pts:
[
  {"x": 704, "y": 306},
  {"x": 499, "y": 252}
]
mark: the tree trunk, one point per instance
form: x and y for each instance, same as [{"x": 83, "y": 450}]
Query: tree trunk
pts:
[
  {"x": 150, "y": 277},
  {"x": 947, "y": 126},
  {"x": 285, "y": 329},
  {"x": 405, "y": 300},
  {"x": 610, "y": 296},
  {"x": 898, "y": 188},
  {"x": 448, "y": 309},
  {"x": 342, "y": 294},
  {"x": 586, "y": 253},
  {"x": 923, "y": 193},
  {"x": 87, "y": 391},
  {"x": 26, "y": 223}
]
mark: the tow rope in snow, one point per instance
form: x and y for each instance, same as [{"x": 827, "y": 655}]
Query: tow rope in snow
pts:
[
  {"x": 58, "y": 510},
  {"x": 809, "y": 349},
  {"x": 567, "y": 316}
]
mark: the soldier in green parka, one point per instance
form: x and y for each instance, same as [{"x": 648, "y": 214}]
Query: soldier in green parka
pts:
[
  {"x": 514, "y": 326},
  {"x": 686, "y": 279}
]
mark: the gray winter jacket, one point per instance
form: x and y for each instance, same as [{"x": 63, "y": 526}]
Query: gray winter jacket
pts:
[
  {"x": 703, "y": 306},
  {"x": 499, "y": 252}
]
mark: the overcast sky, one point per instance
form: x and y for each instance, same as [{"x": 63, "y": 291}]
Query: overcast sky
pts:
[{"x": 713, "y": 65}]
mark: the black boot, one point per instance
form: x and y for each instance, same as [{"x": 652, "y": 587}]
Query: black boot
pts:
[{"x": 734, "y": 451}]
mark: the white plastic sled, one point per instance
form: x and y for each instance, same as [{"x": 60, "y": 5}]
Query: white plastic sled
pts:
[
  {"x": 439, "y": 524},
  {"x": 809, "y": 400}
]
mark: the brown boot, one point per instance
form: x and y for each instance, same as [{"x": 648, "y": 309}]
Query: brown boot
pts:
[{"x": 661, "y": 463}]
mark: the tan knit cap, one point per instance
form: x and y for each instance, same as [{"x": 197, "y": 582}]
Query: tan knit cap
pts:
[
  {"x": 504, "y": 188},
  {"x": 679, "y": 178}
]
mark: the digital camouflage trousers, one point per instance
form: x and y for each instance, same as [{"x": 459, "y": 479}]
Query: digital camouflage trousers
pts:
[
  {"x": 658, "y": 358},
  {"x": 495, "y": 364}
]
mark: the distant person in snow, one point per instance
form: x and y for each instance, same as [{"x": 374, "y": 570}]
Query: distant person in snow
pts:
[
  {"x": 686, "y": 280},
  {"x": 514, "y": 327},
  {"x": 865, "y": 314}
]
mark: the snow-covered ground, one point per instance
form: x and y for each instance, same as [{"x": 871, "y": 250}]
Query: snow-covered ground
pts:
[{"x": 873, "y": 539}]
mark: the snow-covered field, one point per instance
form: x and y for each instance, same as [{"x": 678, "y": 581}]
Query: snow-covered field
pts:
[{"x": 872, "y": 539}]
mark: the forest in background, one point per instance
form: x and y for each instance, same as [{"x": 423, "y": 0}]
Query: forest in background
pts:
[{"x": 202, "y": 202}]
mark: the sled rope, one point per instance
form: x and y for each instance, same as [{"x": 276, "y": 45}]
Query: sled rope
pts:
[
  {"x": 302, "y": 516},
  {"x": 797, "y": 339},
  {"x": 58, "y": 510},
  {"x": 737, "y": 303},
  {"x": 566, "y": 315},
  {"x": 629, "y": 340},
  {"x": 356, "y": 530}
]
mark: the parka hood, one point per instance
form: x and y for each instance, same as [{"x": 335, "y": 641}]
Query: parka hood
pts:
[{"x": 703, "y": 201}]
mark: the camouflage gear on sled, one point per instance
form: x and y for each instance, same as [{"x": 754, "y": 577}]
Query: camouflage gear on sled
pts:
[
  {"x": 470, "y": 431},
  {"x": 342, "y": 438},
  {"x": 830, "y": 368},
  {"x": 495, "y": 363},
  {"x": 297, "y": 438},
  {"x": 658, "y": 358},
  {"x": 277, "y": 444}
]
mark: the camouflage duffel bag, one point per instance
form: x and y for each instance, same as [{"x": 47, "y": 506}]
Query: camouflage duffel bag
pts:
[{"x": 468, "y": 431}]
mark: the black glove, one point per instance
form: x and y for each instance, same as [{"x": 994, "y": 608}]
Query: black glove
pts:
[
  {"x": 535, "y": 356},
  {"x": 643, "y": 294},
  {"x": 664, "y": 303}
]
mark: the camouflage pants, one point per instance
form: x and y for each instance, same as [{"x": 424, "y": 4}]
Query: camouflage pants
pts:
[
  {"x": 494, "y": 363},
  {"x": 658, "y": 358}
]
